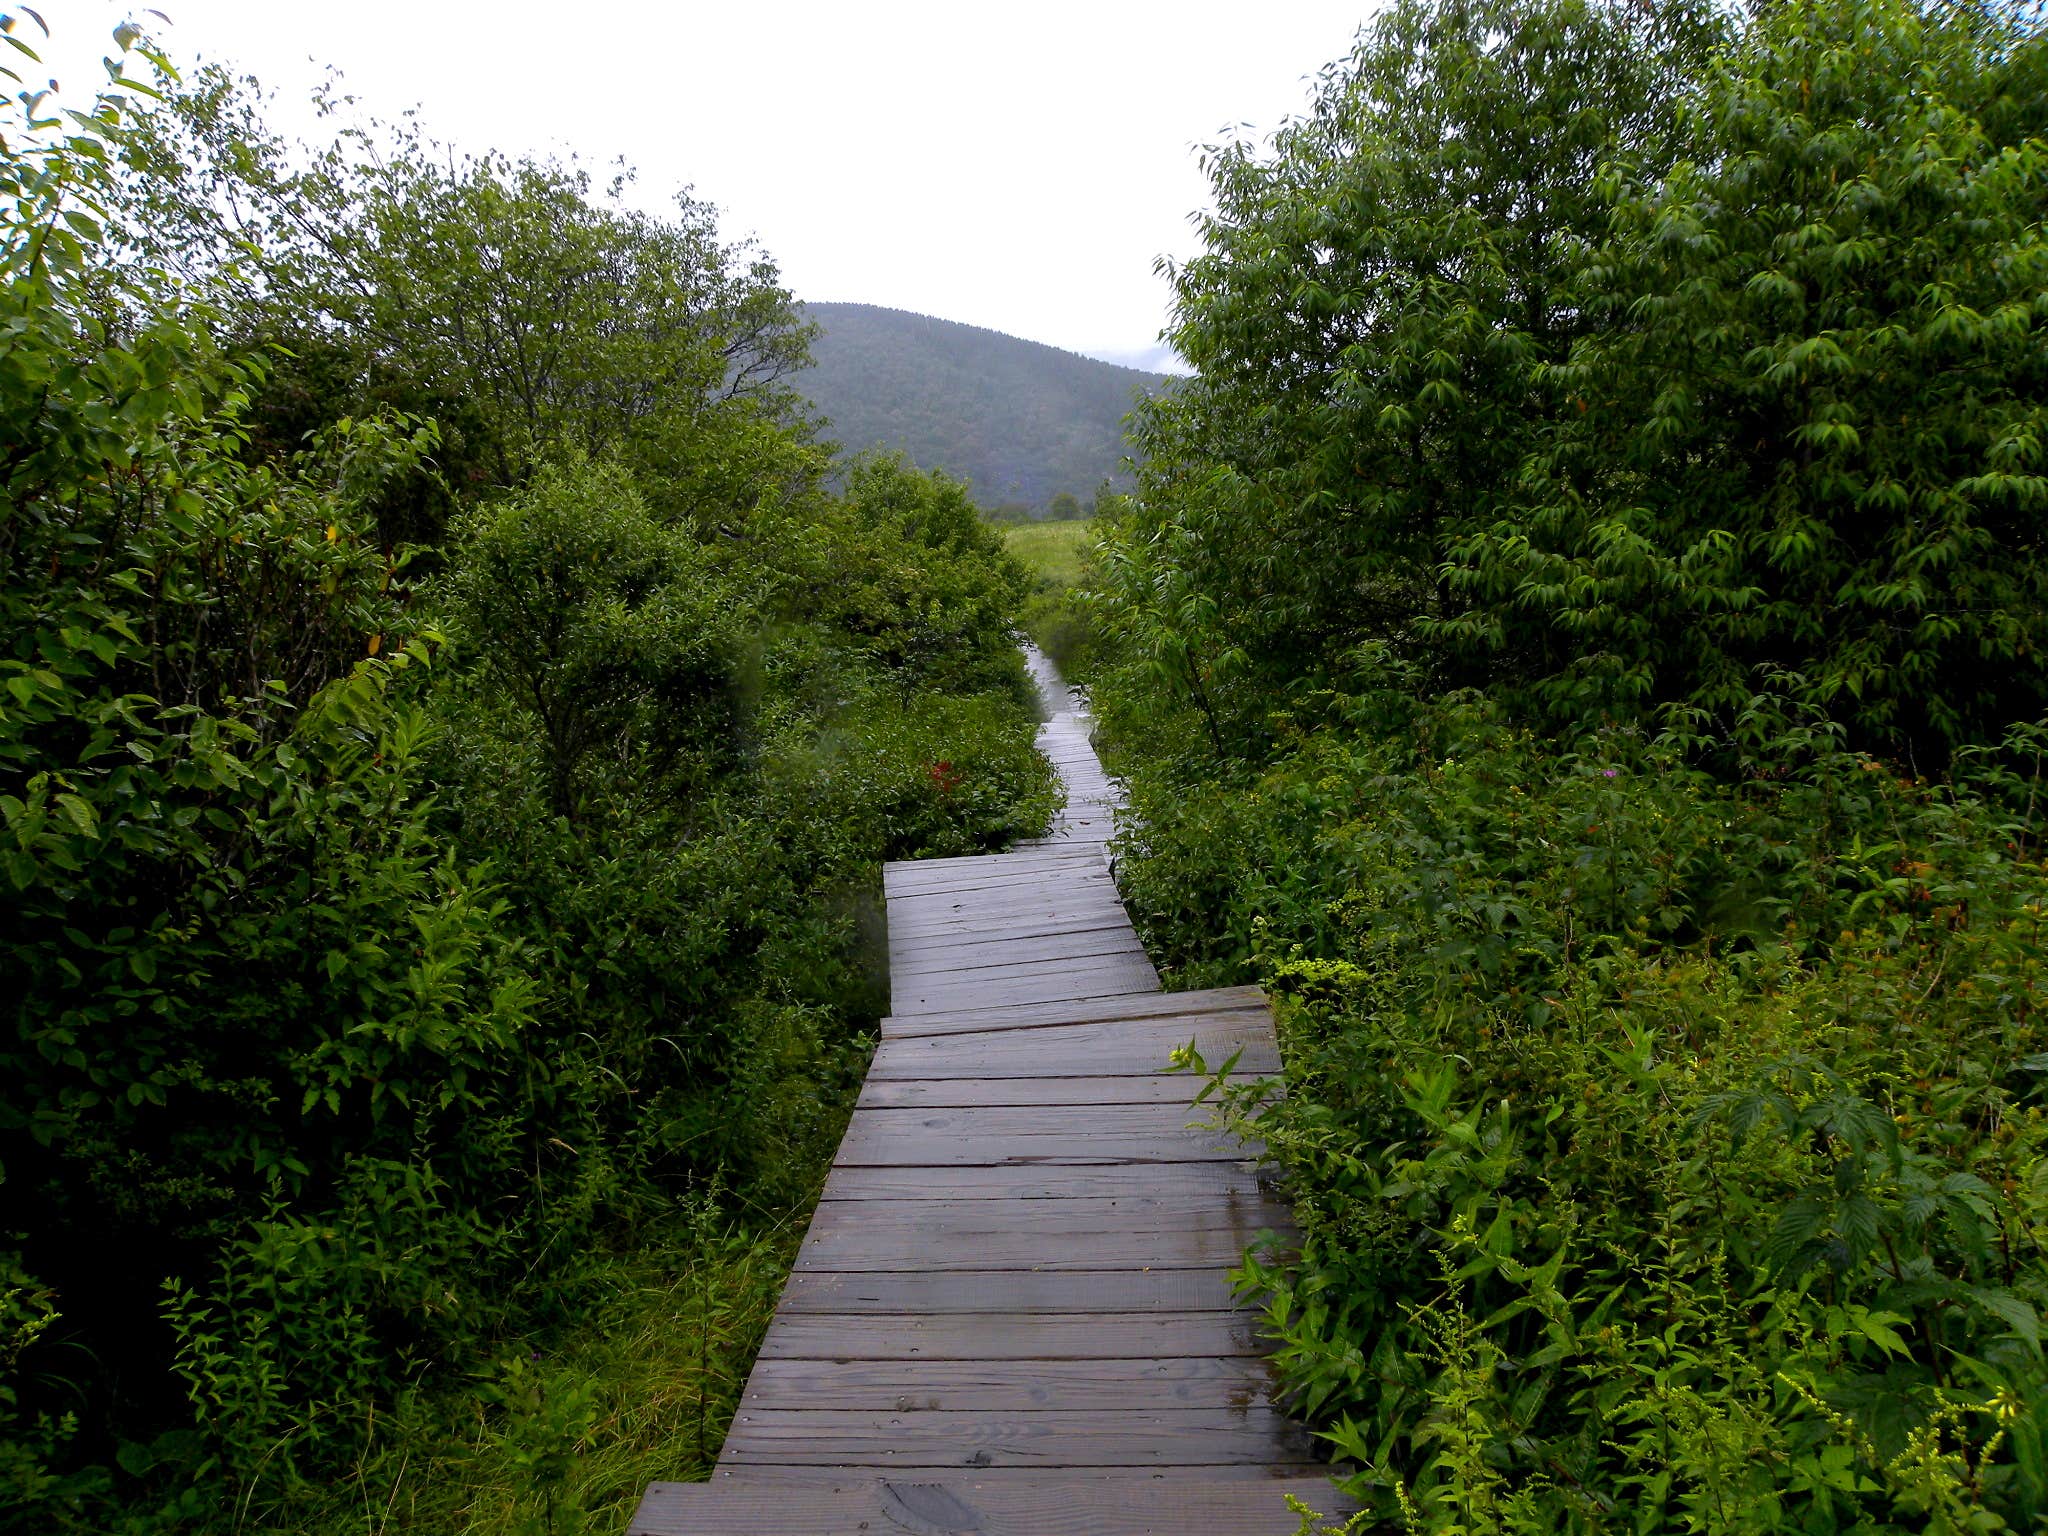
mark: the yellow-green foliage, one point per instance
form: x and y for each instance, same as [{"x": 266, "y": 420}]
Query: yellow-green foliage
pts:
[{"x": 1054, "y": 552}]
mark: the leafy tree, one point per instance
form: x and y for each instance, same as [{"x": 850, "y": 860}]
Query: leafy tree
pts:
[
  {"x": 1369, "y": 319},
  {"x": 612, "y": 634},
  {"x": 569, "y": 320},
  {"x": 1803, "y": 431}
]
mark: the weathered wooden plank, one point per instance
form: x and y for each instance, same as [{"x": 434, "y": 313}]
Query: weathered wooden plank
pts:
[
  {"x": 992, "y": 976},
  {"x": 1126, "y": 1088},
  {"x": 1050, "y": 916},
  {"x": 790, "y": 1476},
  {"x": 802, "y": 1501},
  {"x": 889, "y": 1248},
  {"x": 1086, "y": 1050},
  {"x": 1167, "y": 1437},
  {"x": 1175, "y": 1005},
  {"x": 1071, "y": 868},
  {"x": 1002, "y": 951},
  {"x": 970, "y": 934},
  {"x": 1131, "y": 1214},
  {"x": 982, "y": 1336},
  {"x": 1097, "y": 1233},
  {"x": 1017, "y": 942},
  {"x": 1043, "y": 982},
  {"x": 1113, "y": 1119},
  {"x": 1009, "y": 1386},
  {"x": 1076, "y": 867},
  {"x": 1012, "y": 1291},
  {"x": 979, "y": 1246},
  {"x": 1043, "y": 1181},
  {"x": 901, "y": 869},
  {"x": 919, "y": 919},
  {"x": 942, "y": 1149}
]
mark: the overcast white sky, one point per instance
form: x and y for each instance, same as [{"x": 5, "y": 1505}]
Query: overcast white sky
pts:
[{"x": 1017, "y": 167}]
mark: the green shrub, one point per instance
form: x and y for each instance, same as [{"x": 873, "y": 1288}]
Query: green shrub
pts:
[{"x": 1668, "y": 1152}]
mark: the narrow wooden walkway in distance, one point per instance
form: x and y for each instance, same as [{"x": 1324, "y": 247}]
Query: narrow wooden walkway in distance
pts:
[{"x": 1012, "y": 1312}]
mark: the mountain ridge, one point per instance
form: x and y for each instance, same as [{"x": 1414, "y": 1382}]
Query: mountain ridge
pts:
[{"x": 1019, "y": 420}]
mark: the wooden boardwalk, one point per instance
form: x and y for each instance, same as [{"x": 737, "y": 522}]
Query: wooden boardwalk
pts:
[{"x": 1012, "y": 1312}]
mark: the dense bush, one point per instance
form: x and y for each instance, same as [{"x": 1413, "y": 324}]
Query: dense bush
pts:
[
  {"x": 1612, "y": 481},
  {"x": 1669, "y": 1153},
  {"x": 385, "y": 956},
  {"x": 1561, "y": 353}
]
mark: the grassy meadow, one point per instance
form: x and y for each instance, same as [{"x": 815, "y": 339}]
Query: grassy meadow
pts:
[{"x": 1053, "y": 552}]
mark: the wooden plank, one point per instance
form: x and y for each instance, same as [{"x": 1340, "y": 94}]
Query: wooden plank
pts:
[
  {"x": 891, "y": 1236},
  {"x": 1166, "y": 1437},
  {"x": 973, "y": 934},
  {"x": 975, "y": 952},
  {"x": 1084, "y": 1050},
  {"x": 939, "y": 1149},
  {"x": 1128, "y": 1088},
  {"x": 1152, "y": 1248},
  {"x": 903, "y": 869},
  {"x": 1074, "y": 868},
  {"x": 790, "y": 1476},
  {"x": 1131, "y": 1215},
  {"x": 1046, "y": 982},
  {"x": 883, "y": 1125},
  {"x": 1043, "y": 1181},
  {"x": 1077, "y": 868},
  {"x": 1075, "y": 901},
  {"x": 1047, "y": 916},
  {"x": 982, "y": 1336},
  {"x": 1012, "y": 1291},
  {"x": 1176, "y": 1005},
  {"x": 802, "y": 1501},
  {"x": 980, "y": 974},
  {"x": 1009, "y": 1386}
]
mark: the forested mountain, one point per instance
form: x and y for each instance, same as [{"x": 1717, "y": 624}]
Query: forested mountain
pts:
[{"x": 1019, "y": 421}]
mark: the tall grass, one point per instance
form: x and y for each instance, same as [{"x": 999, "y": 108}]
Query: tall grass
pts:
[{"x": 1053, "y": 552}]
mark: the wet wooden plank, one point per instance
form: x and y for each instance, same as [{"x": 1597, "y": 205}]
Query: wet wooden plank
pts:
[
  {"x": 1168, "y": 1437},
  {"x": 1013, "y": 1291},
  {"x": 1039, "y": 1336}
]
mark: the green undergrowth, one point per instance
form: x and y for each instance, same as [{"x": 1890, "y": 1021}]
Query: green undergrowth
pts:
[
  {"x": 1671, "y": 1153},
  {"x": 561, "y": 1434}
]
